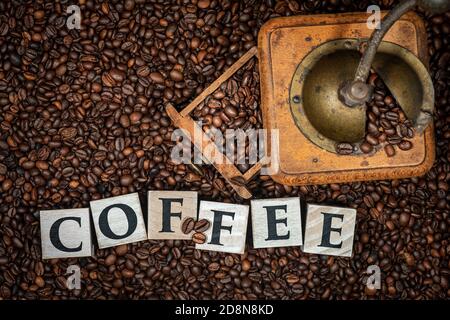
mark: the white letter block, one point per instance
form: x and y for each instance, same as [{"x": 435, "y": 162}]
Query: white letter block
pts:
[
  {"x": 65, "y": 233},
  {"x": 118, "y": 220},
  {"x": 276, "y": 222},
  {"x": 329, "y": 230},
  {"x": 228, "y": 226},
  {"x": 178, "y": 205}
]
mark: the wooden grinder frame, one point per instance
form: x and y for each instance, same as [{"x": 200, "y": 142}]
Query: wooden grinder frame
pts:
[{"x": 225, "y": 167}]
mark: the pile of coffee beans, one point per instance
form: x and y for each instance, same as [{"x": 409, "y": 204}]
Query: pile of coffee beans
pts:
[
  {"x": 82, "y": 117},
  {"x": 199, "y": 227},
  {"x": 387, "y": 125}
]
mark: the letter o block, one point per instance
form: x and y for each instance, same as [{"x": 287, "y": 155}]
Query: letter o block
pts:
[
  {"x": 65, "y": 233},
  {"x": 118, "y": 220}
]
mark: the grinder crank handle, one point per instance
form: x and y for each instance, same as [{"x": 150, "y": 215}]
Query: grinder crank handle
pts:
[{"x": 357, "y": 92}]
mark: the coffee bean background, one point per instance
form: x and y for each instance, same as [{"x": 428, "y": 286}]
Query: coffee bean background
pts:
[{"x": 82, "y": 118}]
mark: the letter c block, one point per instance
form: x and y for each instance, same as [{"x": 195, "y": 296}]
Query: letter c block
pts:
[{"x": 65, "y": 233}]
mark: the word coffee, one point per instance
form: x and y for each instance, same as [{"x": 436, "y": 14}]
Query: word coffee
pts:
[{"x": 119, "y": 220}]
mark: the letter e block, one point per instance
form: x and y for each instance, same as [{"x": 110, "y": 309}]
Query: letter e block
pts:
[
  {"x": 329, "y": 230},
  {"x": 276, "y": 222}
]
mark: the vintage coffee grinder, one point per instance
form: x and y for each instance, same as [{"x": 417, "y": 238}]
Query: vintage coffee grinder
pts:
[{"x": 313, "y": 75}]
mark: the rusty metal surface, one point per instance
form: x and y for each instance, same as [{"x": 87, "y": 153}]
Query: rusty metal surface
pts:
[
  {"x": 326, "y": 120},
  {"x": 282, "y": 44},
  {"x": 317, "y": 110}
]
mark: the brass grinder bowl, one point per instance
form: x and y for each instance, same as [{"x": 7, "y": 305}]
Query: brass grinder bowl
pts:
[{"x": 325, "y": 120}]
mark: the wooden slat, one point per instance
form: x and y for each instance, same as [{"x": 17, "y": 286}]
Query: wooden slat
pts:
[
  {"x": 218, "y": 159},
  {"x": 216, "y": 84},
  {"x": 250, "y": 173}
]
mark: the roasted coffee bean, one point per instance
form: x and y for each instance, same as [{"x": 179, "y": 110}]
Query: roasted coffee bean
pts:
[
  {"x": 372, "y": 140},
  {"x": 188, "y": 225},
  {"x": 385, "y": 124},
  {"x": 402, "y": 130},
  {"x": 394, "y": 139},
  {"x": 126, "y": 180},
  {"x": 68, "y": 133},
  {"x": 410, "y": 133},
  {"x": 372, "y": 128},
  {"x": 344, "y": 148},
  {"x": 231, "y": 111},
  {"x": 110, "y": 260},
  {"x": 176, "y": 75},
  {"x": 389, "y": 149},
  {"x": 404, "y": 219},
  {"x": 405, "y": 145},
  {"x": 7, "y": 184},
  {"x": 157, "y": 77},
  {"x": 366, "y": 147},
  {"x": 240, "y": 181},
  {"x": 201, "y": 225},
  {"x": 199, "y": 238},
  {"x": 121, "y": 250},
  {"x": 392, "y": 116}
]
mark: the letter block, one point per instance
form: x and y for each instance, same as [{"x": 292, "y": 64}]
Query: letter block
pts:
[
  {"x": 118, "y": 220},
  {"x": 276, "y": 222},
  {"x": 65, "y": 233},
  {"x": 228, "y": 226},
  {"x": 329, "y": 230},
  {"x": 167, "y": 210}
]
